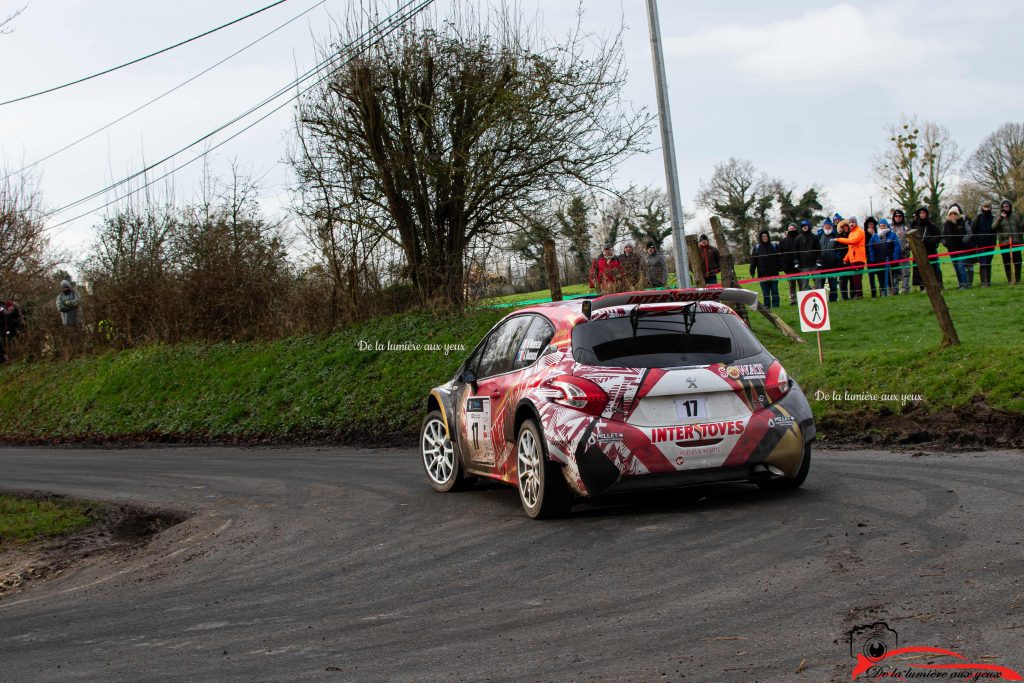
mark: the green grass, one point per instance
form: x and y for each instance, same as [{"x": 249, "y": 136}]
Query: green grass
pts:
[
  {"x": 325, "y": 387},
  {"x": 23, "y": 520}
]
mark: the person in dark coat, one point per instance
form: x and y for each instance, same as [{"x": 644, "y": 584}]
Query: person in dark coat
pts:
[
  {"x": 764, "y": 263},
  {"x": 956, "y": 237},
  {"x": 710, "y": 260},
  {"x": 12, "y": 321},
  {"x": 789, "y": 253},
  {"x": 984, "y": 241},
  {"x": 1009, "y": 229},
  {"x": 932, "y": 237},
  {"x": 631, "y": 268},
  {"x": 655, "y": 267},
  {"x": 808, "y": 253},
  {"x": 843, "y": 230},
  {"x": 829, "y": 258},
  {"x": 884, "y": 248}
]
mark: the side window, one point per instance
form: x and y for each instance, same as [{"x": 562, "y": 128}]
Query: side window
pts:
[
  {"x": 502, "y": 345},
  {"x": 473, "y": 364},
  {"x": 536, "y": 340}
]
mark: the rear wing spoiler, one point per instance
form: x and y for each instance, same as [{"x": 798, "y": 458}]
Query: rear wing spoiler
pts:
[{"x": 730, "y": 295}]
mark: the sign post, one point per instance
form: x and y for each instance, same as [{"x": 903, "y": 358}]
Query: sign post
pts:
[{"x": 813, "y": 306}]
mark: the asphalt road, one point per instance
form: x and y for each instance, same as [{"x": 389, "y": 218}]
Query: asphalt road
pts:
[{"x": 342, "y": 564}]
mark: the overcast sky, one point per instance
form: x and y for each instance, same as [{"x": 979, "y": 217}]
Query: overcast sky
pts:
[{"x": 802, "y": 89}]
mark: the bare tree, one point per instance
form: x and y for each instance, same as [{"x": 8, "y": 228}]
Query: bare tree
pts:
[
  {"x": 5, "y": 27},
  {"x": 940, "y": 155},
  {"x": 914, "y": 168},
  {"x": 448, "y": 130},
  {"x": 24, "y": 246},
  {"x": 733, "y": 193},
  {"x": 997, "y": 165}
]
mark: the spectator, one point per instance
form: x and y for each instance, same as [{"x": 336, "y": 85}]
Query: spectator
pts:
[
  {"x": 631, "y": 268},
  {"x": 985, "y": 242},
  {"x": 931, "y": 236},
  {"x": 657, "y": 270},
  {"x": 789, "y": 254},
  {"x": 856, "y": 257},
  {"x": 887, "y": 249},
  {"x": 808, "y": 253},
  {"x": 1008, "y": 228},
  {"x": 843, "y": 230},
  {"x": 829, "y": 259},
  {"x": 12, "y": 321},
  {"x": 764, "y": 263},
  {"x": 69, "y": 305},
  {"x": 710, "y": 260},
  {"x": 874, "y": 271},
  {"x": 956, "y": 235},
  {"x": 604, "y": 271},
  {"x": 900, "y": 271}
]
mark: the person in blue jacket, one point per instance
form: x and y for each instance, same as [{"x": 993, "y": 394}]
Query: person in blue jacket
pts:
[{"x": 883, "y": 248}]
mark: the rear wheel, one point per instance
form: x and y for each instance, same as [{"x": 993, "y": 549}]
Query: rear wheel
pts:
[
  {"x": 444, "y": 470},
  {"x": 785, "y": 483},
  {"x": 542, "y": 488}
]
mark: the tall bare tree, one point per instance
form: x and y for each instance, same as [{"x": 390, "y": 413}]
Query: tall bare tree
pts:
[
  {"x": 915, "y": 167},
  {"x": 997, "y": 165},
  {"x": 24, "y": 246},
  {"x": 450, "y": 129},
  {"x": 735, "y": 190},
  {"x": 5, "y": 23}
]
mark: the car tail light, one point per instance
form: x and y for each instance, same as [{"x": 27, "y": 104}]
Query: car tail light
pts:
[
  {"x": 776, "y": 384},
  {"x": 578, "y": 393}
]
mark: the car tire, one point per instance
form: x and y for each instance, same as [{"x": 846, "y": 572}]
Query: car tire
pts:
[
  {"x": 785, "y": 483},
  {"x": 440, "y": 459},
  {"x": 540, "y": 482}
]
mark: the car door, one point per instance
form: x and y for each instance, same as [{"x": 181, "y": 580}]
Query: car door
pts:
[{"x": 484, "y": 408}]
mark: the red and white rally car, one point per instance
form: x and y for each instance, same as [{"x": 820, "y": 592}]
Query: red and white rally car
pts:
[{"x": 592, "y": 396}]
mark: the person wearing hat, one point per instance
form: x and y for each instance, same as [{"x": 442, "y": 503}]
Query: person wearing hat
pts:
[
  {"x": 69, "y": 305},
  {"x": 875, "y": 267},
  {"x": 12, "y": 320},
  {"x": 829, "y": 259},
  {"x": 808, "y": 254},
  {"x": 604, "y": 270},
  {"x": 789, "y": 254},
  {"x": 931, "y": 236},
  {"x": 1009, "y": 229},
  {"x": 984, "y": 241},
  {"x": 956, "y": 235},
  {"x": 709, "y": 259},
  {"x": 883, "y": 248},
  {"x": 655, "y": 267},
  {"x": 764, "y": 263},
  {"x": 632, "y": 268},
  {"x": 856, "y": 257},
  {"x": 900, "y": 271}
]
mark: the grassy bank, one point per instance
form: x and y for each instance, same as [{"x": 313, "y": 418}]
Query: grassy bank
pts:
[
  {"x": 24, "y": 519},
  {"x": 326, "y": 388}
]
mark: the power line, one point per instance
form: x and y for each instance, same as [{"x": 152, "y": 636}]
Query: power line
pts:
[
  {"x": 143, "y": 58},
  {"x": 390, "y": 24},
  {"x": 165, "y": 94}
]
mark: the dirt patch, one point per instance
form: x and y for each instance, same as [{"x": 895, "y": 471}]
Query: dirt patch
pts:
[
  {"x": 118, "y": 527},
  {"x": 383, "y": 439},
  {"x": 973, "y": 426}
]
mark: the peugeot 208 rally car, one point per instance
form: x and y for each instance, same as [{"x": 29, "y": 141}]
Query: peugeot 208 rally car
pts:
[{"x": 589, "y": 397}]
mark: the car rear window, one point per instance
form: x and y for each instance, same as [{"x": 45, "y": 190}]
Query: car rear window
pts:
[{"x": 662, "y": 341}]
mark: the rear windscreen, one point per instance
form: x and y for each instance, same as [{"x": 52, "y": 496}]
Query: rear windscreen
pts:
[{"x": 662, "y": 341}]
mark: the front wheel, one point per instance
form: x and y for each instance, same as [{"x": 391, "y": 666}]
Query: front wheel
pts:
[
  {"x": 542, "y": 488},
  {"x": 444, "y": 470},
  {"x": 785, "y": 483}
]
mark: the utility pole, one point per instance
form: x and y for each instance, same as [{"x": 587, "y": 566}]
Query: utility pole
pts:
[{"x": 668, "y": 149}]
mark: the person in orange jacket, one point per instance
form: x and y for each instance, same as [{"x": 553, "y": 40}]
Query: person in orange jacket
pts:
[{"x": 856, "y": 257}]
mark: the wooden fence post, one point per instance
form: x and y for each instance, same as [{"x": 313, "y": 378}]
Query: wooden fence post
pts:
[
  {"x": 695, "y": 265},
  {"x": 931, "y": 285},
  {"x": 728, "y": 264}
]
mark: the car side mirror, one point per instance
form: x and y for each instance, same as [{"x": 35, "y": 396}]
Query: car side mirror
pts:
[
  {"x": 552, "y": 348},
  {"x": 468, "y": 377}
]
